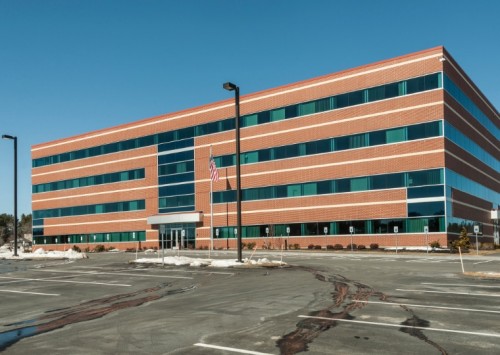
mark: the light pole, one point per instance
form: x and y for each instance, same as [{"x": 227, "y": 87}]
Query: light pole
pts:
[
  {"x": 6, "y": 136},
  {"x": 232, "y": 87}
]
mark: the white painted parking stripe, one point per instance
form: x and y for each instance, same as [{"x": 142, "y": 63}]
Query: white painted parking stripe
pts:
[
  {"x": 464, "y": 285},
  {"x": 494, "y": 335},
  {"x": 425, "y": 306},
  {"x": 65, "y": 281},
  {"x": 32, "y": 293},
  {"x": 115, "y": 273},
  {"x": 483, "y": 262},
  {"x": 453, "y": 293},
  {"x": 234, "y": 350}
]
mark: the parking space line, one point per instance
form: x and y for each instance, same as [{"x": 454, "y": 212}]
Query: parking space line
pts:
[
  {"x": 425, "y": 306},
  {"x": 21, "y": 280},
  {"x": 234, "y": 350},
  {"x": 31, "y": 293},
  {"x": 463, "y": 285},
  {"x": 452, "y": 293},
  {"x": 115, "y": 274},
  {"x": 483, "y": 262},
  {"x": 65, "y": 281},
  {"x": 494, "y": 335}
]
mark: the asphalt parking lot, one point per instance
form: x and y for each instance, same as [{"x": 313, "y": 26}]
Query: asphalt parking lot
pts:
[{"x": 322, "y": 303}]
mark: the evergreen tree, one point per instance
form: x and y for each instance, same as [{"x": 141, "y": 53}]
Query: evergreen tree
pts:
[{"x": 463, "y": 241}]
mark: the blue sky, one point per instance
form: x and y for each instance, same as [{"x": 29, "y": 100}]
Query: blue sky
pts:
[{"x": 72, "y": 66}]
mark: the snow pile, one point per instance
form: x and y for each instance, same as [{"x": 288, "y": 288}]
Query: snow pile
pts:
[
  {"x": 410, "y": 248},
  {"x": 6, "y": 253},
  {"x": 220, "y": 263}
]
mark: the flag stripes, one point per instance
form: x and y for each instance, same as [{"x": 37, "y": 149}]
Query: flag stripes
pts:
[{"x": 214, "y": 173}]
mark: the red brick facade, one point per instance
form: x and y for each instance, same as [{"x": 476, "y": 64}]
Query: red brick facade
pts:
[{"x": 422, "y": 154}]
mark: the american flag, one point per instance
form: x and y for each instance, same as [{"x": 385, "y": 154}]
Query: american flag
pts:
[{"x": 214, "y": 174}]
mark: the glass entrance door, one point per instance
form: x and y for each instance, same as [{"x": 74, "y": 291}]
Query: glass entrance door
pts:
[
  {"x": 178, "y": 238},
  {"x": 179, "y": 235}
]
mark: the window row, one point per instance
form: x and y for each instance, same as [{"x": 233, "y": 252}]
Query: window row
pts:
[
  {"x": 393, "y": 135},
  {"x": 470, "y": 106},
  {"x": 176, "y": 157},
  {"x": 387, "y": 91},
  {"x": 456, "y": 181},
  {"x": 339, "y": 228},
  {"x": 410, "y": 86},
  {"x": 364, "y": 183},
  {"x": 113, "y": 237},
  {"x": 90, "y": 181},
  {"x": 176, "y": 168},
  {"x": 176, "y": 178},
  {"x": 470, "y": 146},
  {"x": 123, "y": 206},
  {"x": 175, "y": 190},
  {"x": 425, "y": 192},
  {"x": 424, "y": 209},
  {"x": 176, "y": 201}
]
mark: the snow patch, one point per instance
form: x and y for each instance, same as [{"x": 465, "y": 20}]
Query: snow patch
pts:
[
  {"x": 198, "y": 262},
  {"x": 40, "y": 253}
]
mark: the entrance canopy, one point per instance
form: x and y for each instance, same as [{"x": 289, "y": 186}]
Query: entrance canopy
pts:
[{"x": 183, "y": 217}]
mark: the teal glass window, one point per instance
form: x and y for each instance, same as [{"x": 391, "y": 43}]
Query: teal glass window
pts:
[
  {"x": 176, "y": 201},
  {"x": 395, "y": 135},
  {"x": 310, "y": 189},
  {"x": 425, "y": 177},
  {"x": 291, "y": 111},
  {"x": 123, "y": 206},
  {"x": 381, "y": 226},
  {"x": 307, "y": 108},
  {"x": 356, "y": 98},
  {"x": 470, "y": 106},
  {"x": 324, "y": 105},
  {"x": 278, "y": 114},
  {"x": 467, "y": 144},
  {"x": 425, "y": 191},
  {"x": 364, "y": 183},
  {"x": 435, "y": 208},
  {"x": 387, "y": 181},
  {"x": 109, "y": 178},
  {"x": 293, "y": 190},
  {"x": 376, "y": 93},
  {"x": 250, "y": 120},
  {"x": 250, "y": 157},
  {"x": 360, "y": 184},
  {"x": 264, "y": 117}
]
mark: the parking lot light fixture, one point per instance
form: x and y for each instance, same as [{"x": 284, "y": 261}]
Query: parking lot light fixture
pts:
[{"x": 232, "y": 87}]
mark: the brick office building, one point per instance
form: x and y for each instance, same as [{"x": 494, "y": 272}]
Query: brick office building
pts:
[{"x": 408, "y": 142}]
